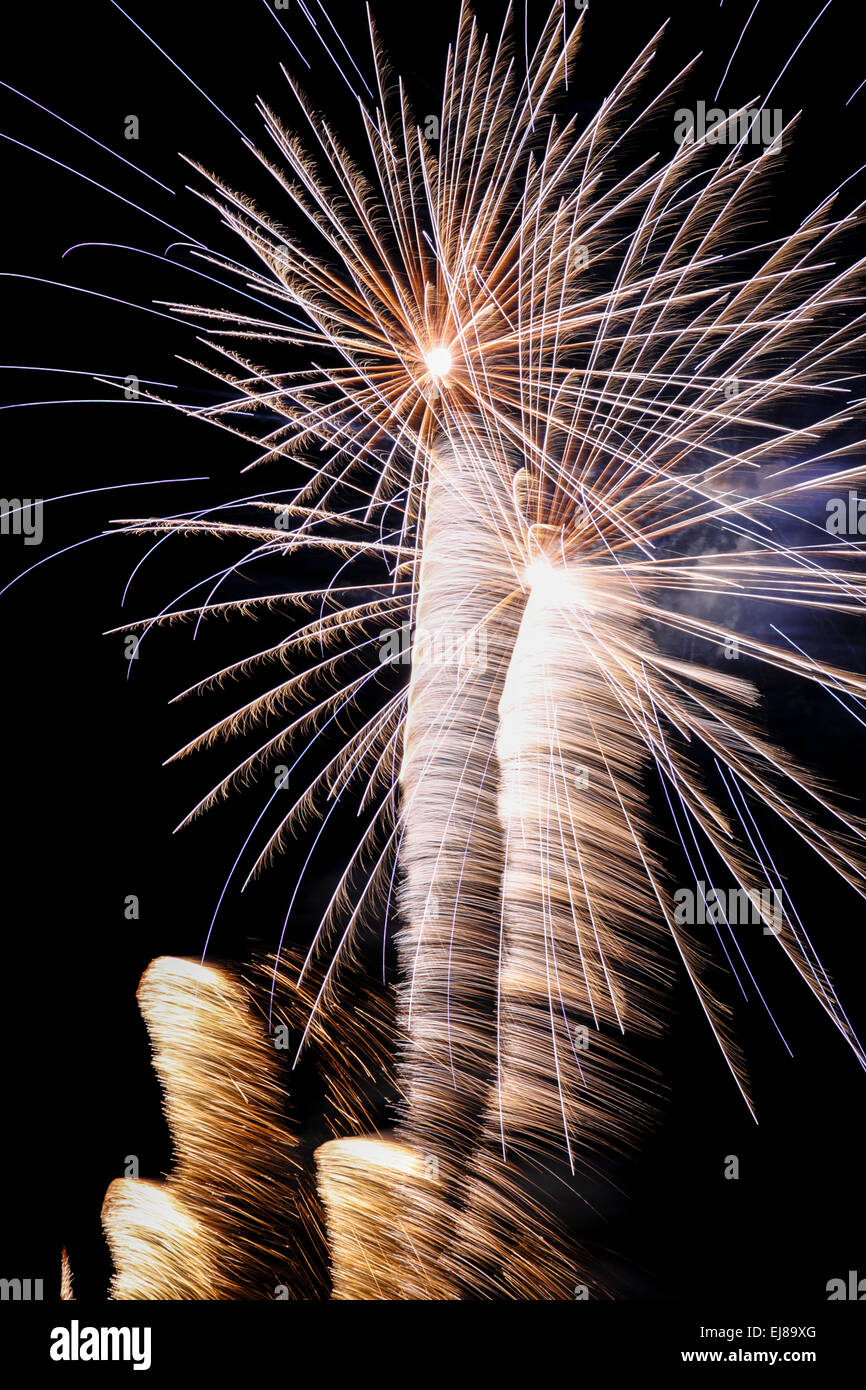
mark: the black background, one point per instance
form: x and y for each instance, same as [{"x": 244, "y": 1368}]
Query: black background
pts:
[{"x": 89, "y": 808}]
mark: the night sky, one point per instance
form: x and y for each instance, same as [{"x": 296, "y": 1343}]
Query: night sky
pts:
[{"x": 90, "y": 808}]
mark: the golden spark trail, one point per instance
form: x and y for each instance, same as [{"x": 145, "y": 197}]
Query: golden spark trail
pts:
[
  {"x": 451, "y": 851},
  {"x": 570, "y": 416},
  {"x": 230, "y": 1222}
]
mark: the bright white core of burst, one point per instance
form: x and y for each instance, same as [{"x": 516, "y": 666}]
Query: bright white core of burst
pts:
[
  {"x": 438, "y": 361},
  {"x": 550, "y": 584}
]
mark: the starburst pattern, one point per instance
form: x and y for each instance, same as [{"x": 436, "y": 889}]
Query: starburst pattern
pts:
[{"x": 574, "y": 402}]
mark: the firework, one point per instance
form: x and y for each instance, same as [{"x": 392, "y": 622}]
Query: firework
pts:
[
  {"x": 386, "y": 1216},
  {"x": 451, "y": 844},
  {"x": 552, "y": 392},
  {"x": 232, "y": 1220},
  {"x": 66, "y": 1293}
]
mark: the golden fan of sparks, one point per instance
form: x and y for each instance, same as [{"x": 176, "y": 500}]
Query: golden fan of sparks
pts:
[{"x": 550, "y": 409}]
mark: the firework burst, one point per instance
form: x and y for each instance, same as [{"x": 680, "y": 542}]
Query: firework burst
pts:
[{"x": 544, "y": 406}]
